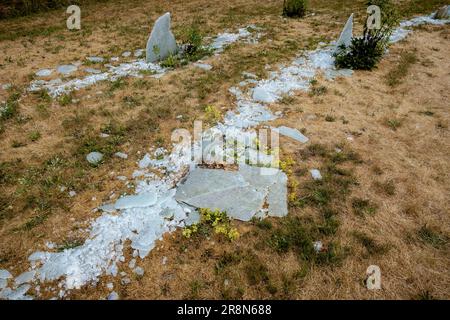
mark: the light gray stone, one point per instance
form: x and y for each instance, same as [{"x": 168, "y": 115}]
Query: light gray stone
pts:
[
  {"x": 139, "y": 271},
  {"x": 138, "y": 201},
  {"x": 25, "y": 277},
  {"x": 292, "y": 133},
  {"x": 242, "y": 194},
  {"x": 443, "y": 13},
  {"x": 347, "y": 34},
  {"x": 5, "y": 274},
  {"x": 315, "y": 174},
  {"x": 94, "y": 158},
  {"x": 44, "y": 72},
  {"x": 113, "y": 296},
  {"x": 66, "y": 69},
  {"x": 161, "y": 42}
]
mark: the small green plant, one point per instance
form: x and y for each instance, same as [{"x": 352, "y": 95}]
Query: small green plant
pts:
[
  {"x": 215, "y": 219},
  {"x": 294, "y": 8},
  {"x": 65, "y": 99},
  {"x": 431, "y": 236},
  {"x": 213, "y": 115},
  {"x": 34, "y": 136},
  {"x": 394, "y": 124},
  {"x": 395, "y": 76},
  {"x": 363, "y": 207},
  {"x": 170, "y": 62}
]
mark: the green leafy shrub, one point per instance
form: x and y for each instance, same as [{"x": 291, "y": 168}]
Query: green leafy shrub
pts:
[
  {"x": 294, "y": 8},
  {"x": 365, "y": 52}
]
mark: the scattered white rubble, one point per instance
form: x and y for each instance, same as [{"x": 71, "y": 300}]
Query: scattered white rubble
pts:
[
  {"x": 95, "y": 59},
  {"x": 126, "y": 54},
  {"x": 139, "y": 271},
  {"x": 121, "y": 155},
  {"x": 25, "y": 277},
  {"x": 94, "y": 157},
  {"x": 203, "y": 66},
  {"x": 136, "y": 201},
  {"x": 110, "y": 286},
  {"x": 72, "y": 193},
  {"x": 93, "y": 70},
  {"x": 164, "y": 261},
  {"x": 315, "y": 174},
  {"x": 318, "y": 246}
]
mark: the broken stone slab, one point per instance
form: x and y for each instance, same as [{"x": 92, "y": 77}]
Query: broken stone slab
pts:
[
  {"x": 44, "y": 72},
  {"x": 161, "y": 43},
  {"x": 93, "y": 70},
  {"x": 95, "y": 59},
  {"x": 203, "y": 66},
  {"x": 346, "y": 36},
  {"x": 121, "y": 155},
  {"x": 25, "y": 277},
  {"x": 66, "y": 69},
  {"x": 242, "y": 194},
  {"x": 443, "y": 13},
  {"x": 139, "y": 271},
  {"x": 136, "y": 201},
  {"x": 5, "y": 274},
  {"x": 292, "y": 133}
]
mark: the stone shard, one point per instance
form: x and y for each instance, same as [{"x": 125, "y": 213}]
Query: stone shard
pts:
[
  {"x": 242, "y": 194},
  {"x": 443, "y": 13},
  {"x": 315, "y": 174},
  {"x": 161, "y": 42},
  {"x": 292, "y": 133},
  {"x": 347, "y": 34},
  {"x": 138, "y": 201},
  {"x": 94, "y": 158},
  {"x": 4, "y": 274}
]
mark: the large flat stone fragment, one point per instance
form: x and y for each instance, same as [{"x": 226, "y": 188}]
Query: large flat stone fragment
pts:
[
  {"x": 161, "y": 42},
  {"x": 242, "y": 194},
  {"x": 346, "y": 36}
]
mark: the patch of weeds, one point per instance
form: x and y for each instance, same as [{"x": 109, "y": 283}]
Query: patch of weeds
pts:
[
  {"x": 363, "y": 207},
  {"x": 195, "y": 286},
  {"x": 34, "y": 136},
  {"x": 34, "y": 222},
  {"x": 424, "y": 295},
  {"x": 69, "y": 244},
  {"x": 394, "y": 124},
  {"x": 213, "y": 220},
  {"x": 42, "y": 110},
  {"x": 396, "y": 75},
  {"x": 256, "y": 271},
  {"x": 372, "y": 247},
  {"x": 117, "y": 84},
  {"x": 131, "y": 101},
  {"x": 294, "y": 8},
  {"x": 263, "y": 224},
  {"x": 427, "y": 113},
  {"x": 318, "y": 90},
  {"x": 10, "y": 108},
  {"x": 65, "y": 99},
  {"x": 44, "y": 96},
  {"x": 228, "y": 259},
  {"x": 432, "y": 236},
  {"x": 330, "y": 118},
  {"x": 17, "y": 144},
  {"x": 212, "y": 114},
  {"x": 171, "y": 61},
  {"x": 386, "y": 187}
]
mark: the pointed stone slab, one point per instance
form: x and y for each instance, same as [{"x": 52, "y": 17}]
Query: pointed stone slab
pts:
[
  {"x": 347, "y": 34},
  {"x": 161, "y": 42},
  {"x": 292, "y": 133}
]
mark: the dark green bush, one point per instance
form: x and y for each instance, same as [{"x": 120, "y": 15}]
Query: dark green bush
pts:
[
  {"x": 365, "y": 52},
  {"x": 294, "y": 8}
]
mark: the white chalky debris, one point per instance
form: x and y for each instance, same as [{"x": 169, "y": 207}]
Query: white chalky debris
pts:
[
  {"x": 318, "y": 246},
  {"x": 93, "y": 70},
  {"x": 203, "y": 66},
  {"x": 126, "y": 54},
  {"x": 315, "y": 174},
  {"x": 95, "y": 59},
  {"x": 110, "y": 286},
  {"x": 164, "y": 261},
  {"x": 139, "y": 271},
  {"x": 3, "y": 283},
  {"x": 94, "y": 157},
  {"x": 121, "y": 155},
  {"x": 72, "y": 193}
]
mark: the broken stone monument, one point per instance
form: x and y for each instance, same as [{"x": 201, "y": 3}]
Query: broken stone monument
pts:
[
  {"x": 161, "y": 43},
  {"x": 443, "y": 13},
  {"x": 347, "y": 34},
  {"x": 242, "y": 194}
]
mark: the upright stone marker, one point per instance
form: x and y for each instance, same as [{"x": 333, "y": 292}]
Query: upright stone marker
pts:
[
  {"x": 347, "y": 34},
  {"x": 161, "y": 42}
]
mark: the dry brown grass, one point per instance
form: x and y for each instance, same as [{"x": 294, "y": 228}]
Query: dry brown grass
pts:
[{"x": 404, "y": 168}]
